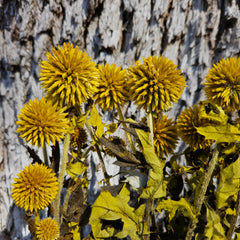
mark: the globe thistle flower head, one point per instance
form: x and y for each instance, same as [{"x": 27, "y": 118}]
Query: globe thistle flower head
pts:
[
  {"x": 68, "y": 76},
  {"x": 187, "y": 122},
  {"x": 222, "y": 84},
  {"x": 78, "y": 138},
  {"x": 40, "y": 122},
  {"x": 48, "y": 229},
  {"x": 155, "y": 84},
  {"x": 112, "y": 85},
  {"x": 165, "y": 136},
  {"x": 35, "y": 188}
]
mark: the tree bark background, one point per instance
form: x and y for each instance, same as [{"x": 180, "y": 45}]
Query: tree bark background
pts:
[{"x": 193, "y": 33}]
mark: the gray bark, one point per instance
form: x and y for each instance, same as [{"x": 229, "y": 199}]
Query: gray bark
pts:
[{"x": 193, "y": 33}]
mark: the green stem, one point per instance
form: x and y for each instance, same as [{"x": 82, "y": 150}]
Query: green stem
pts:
[
  {"x": 127, "y": 133},
  {"x": 150, "y": 125},
  {"x": 45, "y": 155},
  {"x": 61, "y": 177},
  {"x": 234, "y": 219},
  {"x": 200, "y": 197}
]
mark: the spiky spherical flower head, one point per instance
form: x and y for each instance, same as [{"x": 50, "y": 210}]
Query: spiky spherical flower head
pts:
[
  {"x": 42, "y": 122},
  {"x": 222, "y": 84},
  {"x": 35, "y": 188},
  {"x": 155, "y": 83},
  {"x": 68, "y": 76},
  {"x": 112, "y": 87},
  {"x": 165, "y": 136},
  {"x": 48, "y": 229},
  {"x": 78, "y": 138},
  {"x": 187, "y": 123}
]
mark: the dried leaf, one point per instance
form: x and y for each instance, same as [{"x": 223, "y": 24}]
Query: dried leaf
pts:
[{"x": 108, "y": 210}]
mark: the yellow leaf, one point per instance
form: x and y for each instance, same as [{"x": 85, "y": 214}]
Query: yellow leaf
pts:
[
  {"x": 109, "y": 211},
  {"x": 111, "y": 128},
  {"x": 212, "y": 112},
  {"x": 228, "y": 183},
  {"x": 172, "y": 206},
  {"x": 75, "y": 231},
  {"x": 155, "y": 186},
  {"x": 96, "y": 122},
  {"x": 220, "y": 133},
  {"x": 75, "y": 169},
  {"x": 214, "y": 229}
]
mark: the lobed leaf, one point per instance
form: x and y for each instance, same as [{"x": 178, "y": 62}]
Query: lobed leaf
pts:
[
  {"x": 229, "y": 183},
  {"x": 108, "y": 210},
  {"x": 172, "y": 207}
]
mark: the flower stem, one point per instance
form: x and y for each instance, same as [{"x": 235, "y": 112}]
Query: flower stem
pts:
[
  {"x": 61, "y": 177},
  {"x": 45, "y": 155},
  {"x": 234, "y": 219},
  {"x": 37, "y": 217},
  {"x": 124, "y": 125},
  {"x": 106, "y": 176},
  {"x": 150, "y": 125},
  {"x": 200, "y": 197}
]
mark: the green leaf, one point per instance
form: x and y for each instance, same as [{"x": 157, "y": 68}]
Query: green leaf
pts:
[
  {"x": 220, "y": 133},
  {"x": 214, "y": 229},
  {"x": 75, "y": 169},
  {"x": 96, "y": 121},
  {"x": 228, "y": 183},
  {"x": 156, "y": 187},
  {"x": 171, "y": 206},
  {"x": 108, "y": 209}
]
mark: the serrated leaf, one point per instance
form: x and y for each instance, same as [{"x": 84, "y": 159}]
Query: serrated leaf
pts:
[
  {"x": 75, "y": 169},
  {"x": 155, "y": 186},
  {"x": 214, "y": 229},
  {"x": 229, "y": 183},
  {"x": 96, "y": 121},
  {"x": 109, "y": 208},
  {"x": 220, "y": 133},
  {"x": 171, "y": 206}
]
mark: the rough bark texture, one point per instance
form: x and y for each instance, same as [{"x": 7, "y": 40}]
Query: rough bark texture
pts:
[{"x": 193, "y": 33}]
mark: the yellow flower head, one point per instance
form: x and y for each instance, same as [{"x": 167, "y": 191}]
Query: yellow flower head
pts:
[
  {"x": 222, "y": 84},
  {"x": 111, "y": 90},
  {"x": 156, "y": 83},
  {"x": 78, "y": 138},
  {"x": 40, "y": 122},
  {"x": 187, "y": 122},
  {"x": 165, "y": 136},
  {"x": 35, "y": 188},
  {"x": 69, "y": 76},
  {"x": 48, "y": 229}
]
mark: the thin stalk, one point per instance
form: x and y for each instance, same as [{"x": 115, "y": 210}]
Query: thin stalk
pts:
[
  {"x": 37, "y": 217},
  {"x": 150, "y": 125},
  {"x": 234, "y": 219},
  {"x": 61, "y": 177},
  {"x": 200, "y": 198},
  {"x": 106, "y": 176},
  {"x": 124, "y": 125},
  {"x": 45, "y": 155},
  {"x": 149, "y": 211}
]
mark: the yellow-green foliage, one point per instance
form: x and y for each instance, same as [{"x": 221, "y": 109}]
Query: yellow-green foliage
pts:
[{"x": 198, "y": 189}]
